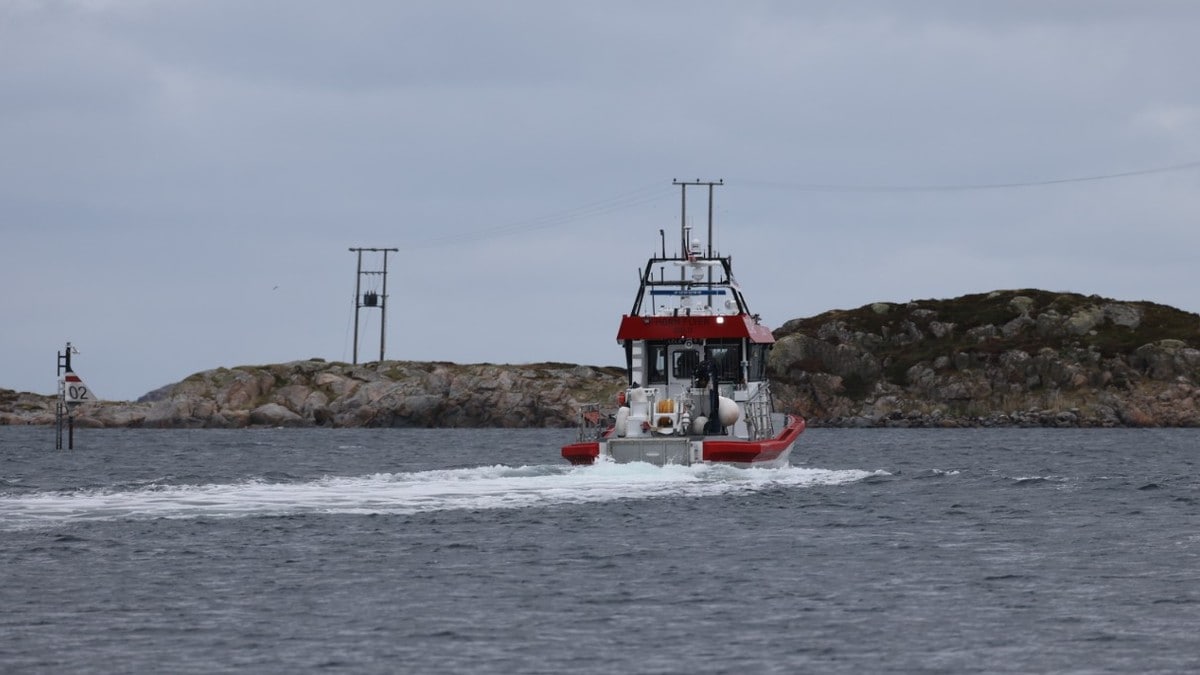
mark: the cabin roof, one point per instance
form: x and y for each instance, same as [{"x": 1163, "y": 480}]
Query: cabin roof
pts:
[{"x": 693, "y": 328}]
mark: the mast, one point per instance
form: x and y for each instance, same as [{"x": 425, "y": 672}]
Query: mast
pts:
[
  {"x": 683, "y": 186},
  {"x": 708, "y": 249}
]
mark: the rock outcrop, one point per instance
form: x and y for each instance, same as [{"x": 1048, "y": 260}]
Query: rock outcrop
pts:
[
  {"x": 1007, "y": 358},
  {"x": 316, "y": 393},
  {"x": 1028, "y": 358}
]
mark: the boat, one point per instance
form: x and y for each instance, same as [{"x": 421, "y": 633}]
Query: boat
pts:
[{"x": 696, "y": 370}]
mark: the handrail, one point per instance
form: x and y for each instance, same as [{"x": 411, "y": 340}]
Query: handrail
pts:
[
  {"x": 758, "y": 413},
  {"x": 592, "y": 422}
]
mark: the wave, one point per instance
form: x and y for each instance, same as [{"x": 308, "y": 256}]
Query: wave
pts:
[
  {"x": 488, "y": 487},
  {"x": 1033, "y": 480}
]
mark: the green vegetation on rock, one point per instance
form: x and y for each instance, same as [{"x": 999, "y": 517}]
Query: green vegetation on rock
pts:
[{"x": 1086, "y": 357}]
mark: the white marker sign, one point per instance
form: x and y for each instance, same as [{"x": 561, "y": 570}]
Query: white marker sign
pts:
[{"x": 74, "y": 390}]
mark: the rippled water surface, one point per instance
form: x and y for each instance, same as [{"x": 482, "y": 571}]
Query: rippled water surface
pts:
[{"x": 428, "y": 551}]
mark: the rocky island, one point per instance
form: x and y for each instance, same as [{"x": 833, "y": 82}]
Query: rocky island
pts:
[
  {"x": 1006, "y": 358},
  {"x": 320, "y": 393},
  {"x": 1016, "y": 358}
]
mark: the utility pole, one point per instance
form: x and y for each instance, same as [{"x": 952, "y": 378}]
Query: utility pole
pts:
[{"x": 371, "y": 298}]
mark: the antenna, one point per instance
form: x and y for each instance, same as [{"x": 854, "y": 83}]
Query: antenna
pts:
[{"x": 371, "y": 298}]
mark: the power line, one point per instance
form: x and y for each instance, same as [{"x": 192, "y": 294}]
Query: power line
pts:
[
  {"x": 637, "y": 197},
  {"x": 818, "y": 187},
  {"x": 648, "y": 194}
]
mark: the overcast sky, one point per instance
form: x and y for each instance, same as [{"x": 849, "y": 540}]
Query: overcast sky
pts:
[{"x": 180, "y": 181}]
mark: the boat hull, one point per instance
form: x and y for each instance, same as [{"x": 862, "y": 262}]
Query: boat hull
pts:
[{"x": 765, "y": 453}]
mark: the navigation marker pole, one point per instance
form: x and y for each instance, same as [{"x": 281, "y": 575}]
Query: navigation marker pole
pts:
[
  {"x": 371, "y": 298},
  {"x": 71, "y": 392}
]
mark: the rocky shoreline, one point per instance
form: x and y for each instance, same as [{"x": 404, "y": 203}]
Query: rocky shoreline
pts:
[
  {"x": 1024, "y": 358},
  {"x": 333, "y": 394}
]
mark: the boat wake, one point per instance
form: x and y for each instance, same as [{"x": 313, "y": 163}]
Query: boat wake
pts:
[{"x": 489, "y": 487}]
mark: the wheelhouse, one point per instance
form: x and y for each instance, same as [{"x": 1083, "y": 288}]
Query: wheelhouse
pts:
[{"x": 690, "y": 311}]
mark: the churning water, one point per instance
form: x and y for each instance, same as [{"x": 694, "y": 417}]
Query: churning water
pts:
[{"x": 431, "y": 551}]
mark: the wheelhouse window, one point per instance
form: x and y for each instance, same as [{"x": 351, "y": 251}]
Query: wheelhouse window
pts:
[
  {"x": 728, "y": 358},
  {"x": 683, "y": 364},
  {"x": 656, "y": 363},
  {"x": 758, "y": 361}
]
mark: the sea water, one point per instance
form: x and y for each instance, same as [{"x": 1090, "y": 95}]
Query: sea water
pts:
[{"x": 460, "y": 551}]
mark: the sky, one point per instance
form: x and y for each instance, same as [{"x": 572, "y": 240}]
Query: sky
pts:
[{"x": 181, "y": 182}]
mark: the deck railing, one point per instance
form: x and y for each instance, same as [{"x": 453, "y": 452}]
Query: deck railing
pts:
[
  {"x": 758, "y": 413},
  {"x": 592, "y": 422}
]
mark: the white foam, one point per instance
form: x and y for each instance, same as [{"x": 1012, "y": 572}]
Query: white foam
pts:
[
  {"x": 489, "y": 487},
  {"x": 1039, "y": 479}
]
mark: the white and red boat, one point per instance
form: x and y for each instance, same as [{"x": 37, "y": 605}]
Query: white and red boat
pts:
[{"x": 696, "y": 362}]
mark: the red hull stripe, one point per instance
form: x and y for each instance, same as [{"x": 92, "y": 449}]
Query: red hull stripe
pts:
[
  {"x": 694, "y": 327},
  {"x": 745, "y": 452},
  {"x": 72, "y": 377},
  {"x": 581, "y": 453},
  {"x": 754, "y": 451}
]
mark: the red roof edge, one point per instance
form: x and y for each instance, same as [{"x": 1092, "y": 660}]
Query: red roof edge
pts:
[{"x": 693, "y": 327}]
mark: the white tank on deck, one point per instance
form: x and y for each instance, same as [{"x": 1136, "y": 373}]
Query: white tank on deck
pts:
[{"x": 727, "y": 411}]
